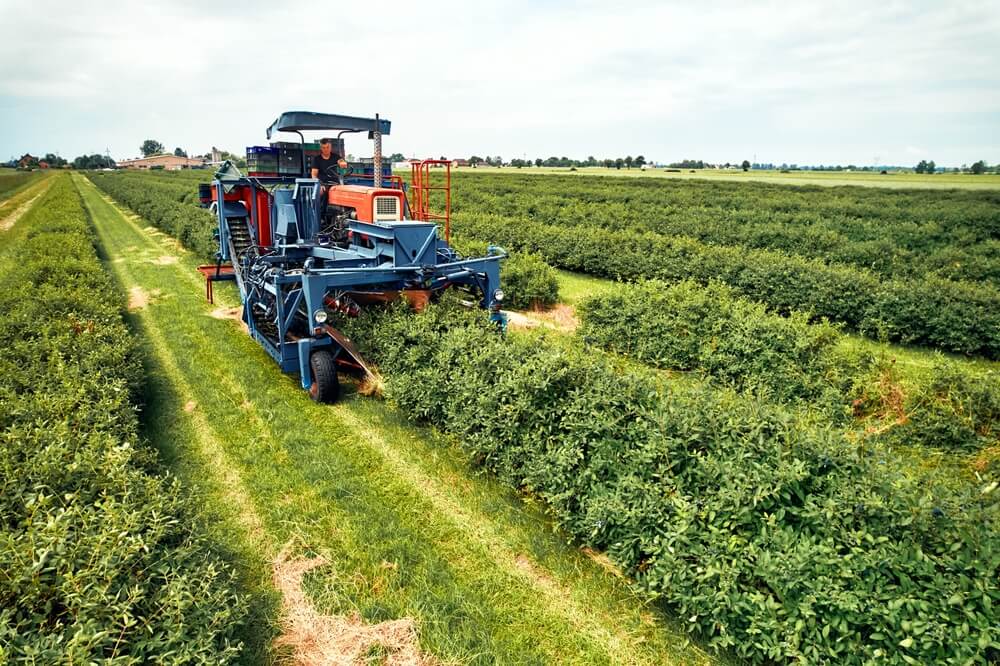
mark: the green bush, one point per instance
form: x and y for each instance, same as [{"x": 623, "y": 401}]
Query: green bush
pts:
[
  {"x": 894, "y": 233},
  {"x": 164, "y": 203},
  {"x": 772, "y": 537},
  {"x": 954, "y": 316},
  {"x": 950, "y": 407},
  {"x": 527, "y": 281},
  {"x": 688, "y": 326},
  {"x": 100, "y": 557}
]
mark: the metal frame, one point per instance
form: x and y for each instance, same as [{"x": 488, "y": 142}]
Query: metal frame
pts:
[
  {"x": 420, "y": 192},
  {"x": 288, "y": 282}
]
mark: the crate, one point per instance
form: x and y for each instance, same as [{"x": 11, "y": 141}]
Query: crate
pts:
[
  {"x": 365, "y": 167},
  {"x": 290, "y": 159},
  {"x": 260, "y": 150},
  {"x": 263, "y": 174}
]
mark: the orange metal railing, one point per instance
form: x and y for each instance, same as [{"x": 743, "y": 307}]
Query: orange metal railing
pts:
[{"x": 421, "y": 188}]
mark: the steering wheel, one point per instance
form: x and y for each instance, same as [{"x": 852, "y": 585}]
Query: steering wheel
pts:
[{"x": 335, "y": 173}]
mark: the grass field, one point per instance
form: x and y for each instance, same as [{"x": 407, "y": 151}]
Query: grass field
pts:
[
  {"x": 18, "y": 198},
  {"x": 832, "y": 179},
  {"x": 409, "y": 531},
  {"x": 353, "y": 520}
]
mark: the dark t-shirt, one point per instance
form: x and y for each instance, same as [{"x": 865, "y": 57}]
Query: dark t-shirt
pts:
[{"x": 327, "y": 167}]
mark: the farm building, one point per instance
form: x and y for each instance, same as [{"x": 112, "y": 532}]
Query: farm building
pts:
[{"x": 168, "y": 162}]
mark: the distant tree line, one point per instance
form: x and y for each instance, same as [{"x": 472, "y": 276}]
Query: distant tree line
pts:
[
  {"x": 630, "y": 162},
  {"x": 976, "y": 168},
  {"x": 627, "y": 162},
  {"x": 93, "y": 161},
  {"x": 153, "y": 147}
]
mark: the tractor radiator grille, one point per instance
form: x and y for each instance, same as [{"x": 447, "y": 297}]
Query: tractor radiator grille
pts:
[{"x": 386, "y": 208}]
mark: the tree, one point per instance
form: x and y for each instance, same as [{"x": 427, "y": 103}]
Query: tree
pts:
[
  {"x": 475, "y": 159},
  {"x": 640, "y": 161},
  {"x": 931, "y": 167},
  {"x": 619, "y": 163},
  {"x": 151, "y": 147},
  {"x": 687, "y": 164},
  {"x": 239, "y": 160},
  {"x": 539, "y": 161},
  {"x": 180, "y": 152},
  {"x": 921, "y": 167},
  {"x": 397, "y": 157},
  {"x": 978, "y": 167},
  {"x": 94, "y": 161},
  {"x": 746, "y": 165},
  {"x": 628, "y": 162},
  {"x": 54, "y": 160}
]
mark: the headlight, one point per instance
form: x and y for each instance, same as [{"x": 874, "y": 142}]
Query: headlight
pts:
[
  {"x": 320, "y": 316},
  {"x": 498, "y": 295}
]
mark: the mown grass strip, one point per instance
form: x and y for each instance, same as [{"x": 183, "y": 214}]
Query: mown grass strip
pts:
[
  {"x": 14, "y": 208},
  {"x": 13, "y": 183},
  {"x": 409, "y": 530}
]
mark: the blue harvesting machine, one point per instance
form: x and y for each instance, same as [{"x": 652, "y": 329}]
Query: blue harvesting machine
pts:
[{"x": 301, "y": 248}]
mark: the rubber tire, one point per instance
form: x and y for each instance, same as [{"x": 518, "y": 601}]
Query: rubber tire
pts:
[{"x": 325, "y": 387}]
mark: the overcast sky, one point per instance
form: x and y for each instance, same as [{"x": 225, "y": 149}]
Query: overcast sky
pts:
[{"x": 797, "y": 82}]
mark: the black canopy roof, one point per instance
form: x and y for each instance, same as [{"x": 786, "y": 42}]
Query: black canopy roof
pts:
[{"x": 300, "y": 121}]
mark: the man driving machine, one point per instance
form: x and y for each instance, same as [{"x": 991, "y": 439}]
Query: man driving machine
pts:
[{"x": 328, "y": 166}]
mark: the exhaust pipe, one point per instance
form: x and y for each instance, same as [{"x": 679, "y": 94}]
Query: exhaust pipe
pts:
[{"x": 377, "y": 136}]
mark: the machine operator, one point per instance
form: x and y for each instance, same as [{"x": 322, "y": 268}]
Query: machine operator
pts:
[{"x": 324, "y": 165}]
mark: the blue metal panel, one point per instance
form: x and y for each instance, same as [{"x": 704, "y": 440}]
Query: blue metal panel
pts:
[
  {"x": 295, "y": 278},
  {"x": 414, "y": 244},
  {"x": 304, "y": 349}
]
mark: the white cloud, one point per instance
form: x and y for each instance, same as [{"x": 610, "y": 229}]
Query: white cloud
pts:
[{"x": 805, "y": 82}]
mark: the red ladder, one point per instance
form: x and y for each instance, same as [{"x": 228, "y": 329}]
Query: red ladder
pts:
[{"x": 420, "y": 193}]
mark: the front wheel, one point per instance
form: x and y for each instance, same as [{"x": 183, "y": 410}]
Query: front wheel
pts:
[{"x": 325, "y": 386}]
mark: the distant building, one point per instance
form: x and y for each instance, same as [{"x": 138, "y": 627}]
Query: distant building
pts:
[
  {"x": 27, "y": 161},
  {"x": 166, "y": 162},
  {"x": 460, "y": 163}
]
